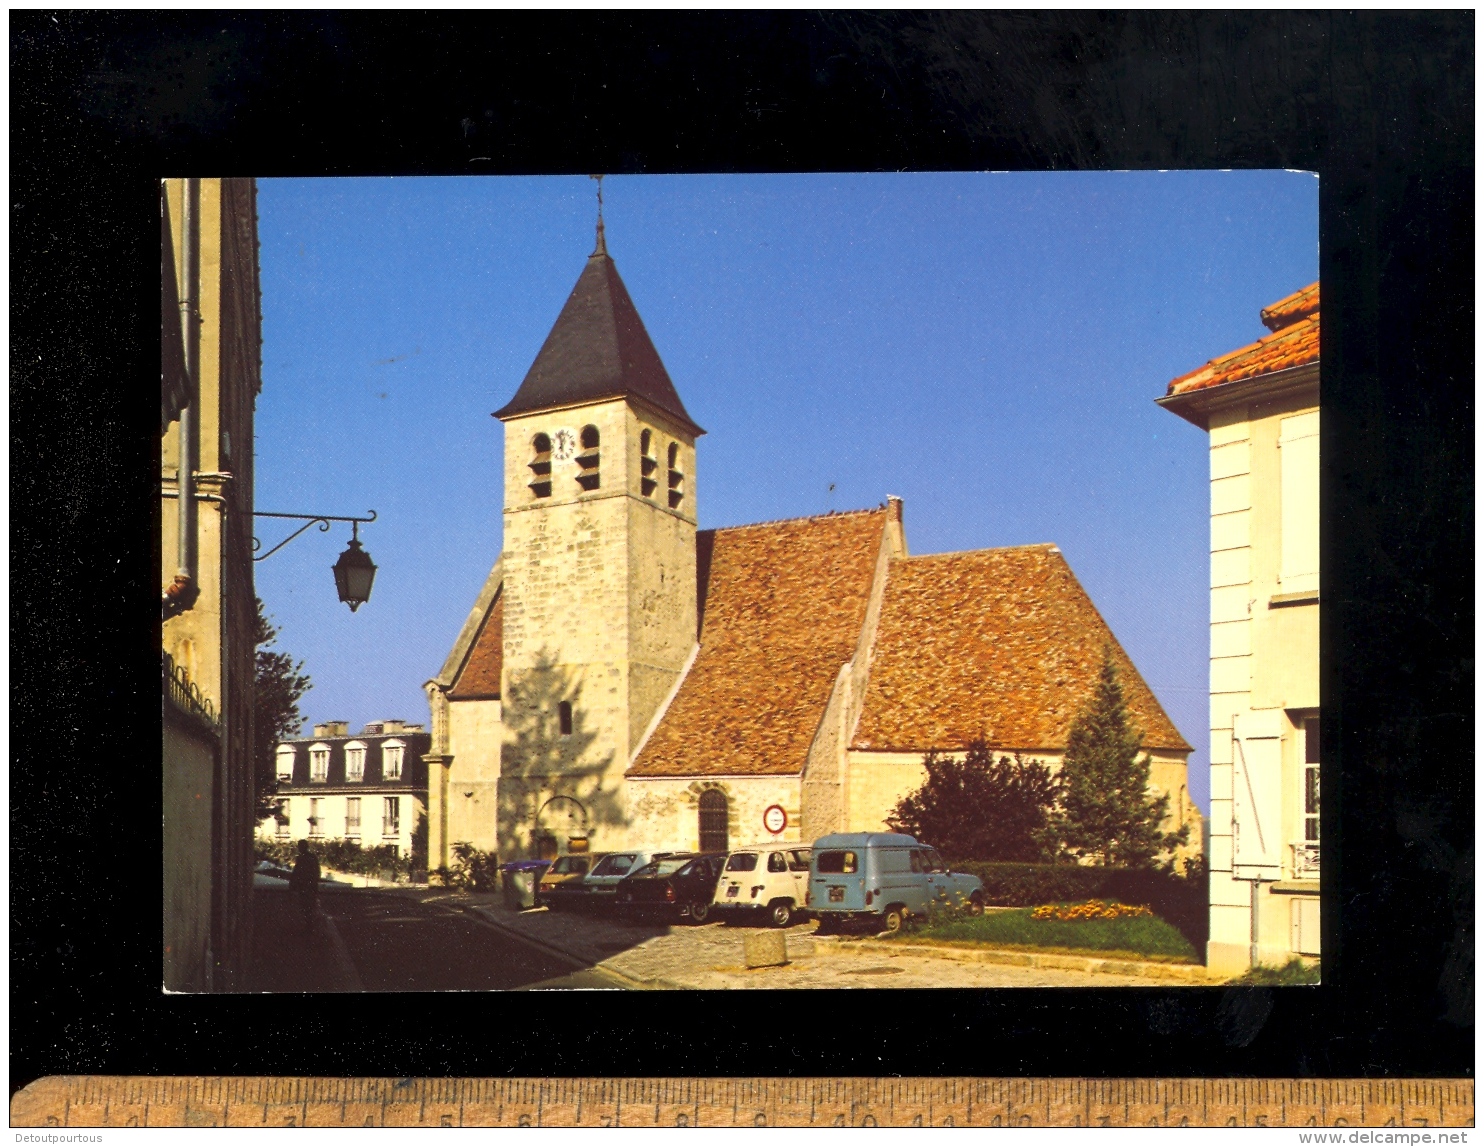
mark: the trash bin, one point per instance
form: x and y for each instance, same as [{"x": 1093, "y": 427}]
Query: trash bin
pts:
[{"x": 519, "y": 879}]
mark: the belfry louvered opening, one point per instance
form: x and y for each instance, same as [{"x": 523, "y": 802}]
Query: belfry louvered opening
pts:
[
  {"x": 677, "y": 479},
  {"x": 648, "y": 464},
  {"x": 540, "y": 465},
  {"x": 587, "y": 460}
]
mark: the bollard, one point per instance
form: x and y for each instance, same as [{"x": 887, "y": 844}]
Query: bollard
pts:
[{"x": 764, "y": 949}]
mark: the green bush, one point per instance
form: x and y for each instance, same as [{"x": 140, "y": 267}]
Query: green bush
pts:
[
  {"x": 1180, "y": 901},
  {"x": 473, "y": 869},
  {"x": 1291, "y": 973},
  {"x": 1131, "y": 935}
]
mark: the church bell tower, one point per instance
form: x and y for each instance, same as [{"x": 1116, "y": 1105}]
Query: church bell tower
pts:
[{"x": 599, "y": 567}]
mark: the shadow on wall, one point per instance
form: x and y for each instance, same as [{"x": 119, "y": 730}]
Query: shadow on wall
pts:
[{"x": 554, "y": 786}]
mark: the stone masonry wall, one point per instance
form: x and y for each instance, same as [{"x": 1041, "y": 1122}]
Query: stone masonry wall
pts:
[
  {"x": 599, "y": 612},
  {"x": 664, "y": 812}
]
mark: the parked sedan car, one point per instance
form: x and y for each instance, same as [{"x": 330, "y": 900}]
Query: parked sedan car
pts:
[
  {"x": 563, "y": 881},
  {"x": 601, "y": 882},
  {"x": 767, "y": 878},
  {"x": 680, "y": 884}
]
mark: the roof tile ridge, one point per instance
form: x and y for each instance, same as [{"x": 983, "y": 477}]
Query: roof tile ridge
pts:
[
  {"x": 1046, "y": 547},
  {"x": 826, "y": 517}
]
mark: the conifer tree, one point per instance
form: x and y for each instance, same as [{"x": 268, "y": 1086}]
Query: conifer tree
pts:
[{"x": 1107, "y": 814}]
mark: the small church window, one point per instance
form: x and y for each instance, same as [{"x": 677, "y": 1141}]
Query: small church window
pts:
[
  {"x": 564, "y": 717},
  {"x": 712, "y": 813},
  {"x": 647, "y": 464},
  {"x": 677, "y": 479},
  {"x": 587, "y": 460},
  {"x": 540, "y": 465}
]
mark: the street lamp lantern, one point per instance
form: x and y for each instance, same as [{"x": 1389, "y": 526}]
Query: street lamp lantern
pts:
[{"x": 354, "y": 572}]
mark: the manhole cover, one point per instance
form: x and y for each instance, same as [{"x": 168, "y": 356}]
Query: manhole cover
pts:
[{"x": 875, "y": 971}]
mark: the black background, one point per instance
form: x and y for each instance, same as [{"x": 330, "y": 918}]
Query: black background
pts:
[{"x": 1381, "y": 105}]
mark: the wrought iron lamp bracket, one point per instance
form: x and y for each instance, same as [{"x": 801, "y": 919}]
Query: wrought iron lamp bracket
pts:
[{"x": 321, "y": 520}]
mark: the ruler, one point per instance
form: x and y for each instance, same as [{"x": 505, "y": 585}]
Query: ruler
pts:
[{"x": 242, "y": 1101}]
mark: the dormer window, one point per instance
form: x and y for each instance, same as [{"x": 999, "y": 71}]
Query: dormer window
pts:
[
  {"x": 355, "y": 761},
  {"x": 319, "y": 763},
  {"x": 647, "y": 464},
  {"x": 677, "y": 479},
  {"x": 285, "y": 764},
  {"x": 391, "y": 760},
  {"x": 587, "y": 459},
  {"x": 540, "y": 465}
]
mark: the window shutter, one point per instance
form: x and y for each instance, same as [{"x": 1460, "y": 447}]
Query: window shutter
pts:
[
  {"x": 1298, "y": 441},
  {"x": 1257, "y": 795}
]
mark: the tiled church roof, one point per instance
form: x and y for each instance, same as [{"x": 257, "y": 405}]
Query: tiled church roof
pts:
[
  {"x": 480, "y": 675},
  {"x": 1294, "y": 321},
  {"x": 784, "y": 603},
  {"x": 598, "y": 348},
  {"x": 1003, "y": 644}
]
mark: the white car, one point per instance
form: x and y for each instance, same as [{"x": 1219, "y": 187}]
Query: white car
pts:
[
  {"x": 602, "y": 882},
  {"x": 771, "y": 878}
]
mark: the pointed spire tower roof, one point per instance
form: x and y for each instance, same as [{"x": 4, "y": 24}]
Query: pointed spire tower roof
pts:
[{"x": 598, "y": 348}]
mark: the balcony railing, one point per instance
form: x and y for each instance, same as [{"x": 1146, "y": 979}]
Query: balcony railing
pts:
[
  {"x": 184, "y": 693},
  {"x": 1305, "y": 859}
]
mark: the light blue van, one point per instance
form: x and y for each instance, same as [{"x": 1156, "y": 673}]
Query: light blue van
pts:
[{"x": 884, "y": 876}]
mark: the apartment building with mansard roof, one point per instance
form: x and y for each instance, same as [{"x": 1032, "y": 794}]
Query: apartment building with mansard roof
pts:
[{"x": 369, "y": 787}]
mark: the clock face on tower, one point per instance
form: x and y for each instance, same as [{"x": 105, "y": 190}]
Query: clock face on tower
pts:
[{"x": 563, "y": 444}]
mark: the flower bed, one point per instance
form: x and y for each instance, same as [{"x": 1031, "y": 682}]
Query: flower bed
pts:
[
  {"x": 1092, "y": 910},
  {"x": 1134, "y": 931}
]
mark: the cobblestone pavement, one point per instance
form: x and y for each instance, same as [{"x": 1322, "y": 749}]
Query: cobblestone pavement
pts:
[{"x": 681, "y": 955}]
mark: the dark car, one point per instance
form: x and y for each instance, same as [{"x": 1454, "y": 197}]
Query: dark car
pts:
[{"x": 680, "y": 884}]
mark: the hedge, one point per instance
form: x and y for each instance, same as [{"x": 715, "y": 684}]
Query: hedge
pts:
[
  {"x": 1181, "y": 902},
  {"x": 380, "y": 860}
]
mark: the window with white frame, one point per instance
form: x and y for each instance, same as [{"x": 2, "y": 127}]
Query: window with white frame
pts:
[
  {"x": 1311, "y": 780},
  {"x": 316, "y": 817},
  {"x": 281, "y": 816},
  {"x": 352, "y": 816},
  {"x": 391, "y": 817},
  {"x": 1298, "y": 443},
  {"x": 355, "y": 760},
  {"x": 319, "y": 763},
  {"x": 284, "y": 767},
  {"x": 391, "y": 760}
]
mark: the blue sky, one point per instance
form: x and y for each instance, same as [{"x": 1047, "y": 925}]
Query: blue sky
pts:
[{"x": 986, "y": 346}]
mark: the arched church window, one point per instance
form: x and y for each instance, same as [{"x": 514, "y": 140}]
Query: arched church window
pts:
[
  {"x": 647, "y": 464},
  {"x": 712, "y": 811},
  {"x": 564, "y": 717},
  {"x": 677, "y": 479},
  {"x": 540, "y": 465},
  {"x": 587, "y": 460}
]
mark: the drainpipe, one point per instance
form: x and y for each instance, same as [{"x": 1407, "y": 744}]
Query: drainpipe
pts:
[{"x": 184, "y": 590}]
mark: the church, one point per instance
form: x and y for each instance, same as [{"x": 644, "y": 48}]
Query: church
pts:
[{"x": 625, "y": 679}]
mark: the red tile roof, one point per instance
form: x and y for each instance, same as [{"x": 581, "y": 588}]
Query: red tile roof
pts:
[
  {"x": 1294, "y": 321},
  {"x": 784, "y": 604},
  {"x": 1002, "y": 644},
  {"x": 480, "y": 675}
]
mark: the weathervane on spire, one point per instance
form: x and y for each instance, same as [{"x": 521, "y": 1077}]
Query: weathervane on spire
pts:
[{"x": 602, "y": 247}]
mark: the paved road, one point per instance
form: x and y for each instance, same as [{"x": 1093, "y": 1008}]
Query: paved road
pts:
[{"x": 377, "y": 942}]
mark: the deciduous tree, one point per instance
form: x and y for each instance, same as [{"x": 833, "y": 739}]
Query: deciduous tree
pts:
[
  {"x": 279, "y": 682},
  {"x": 978, "y": 808}
]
